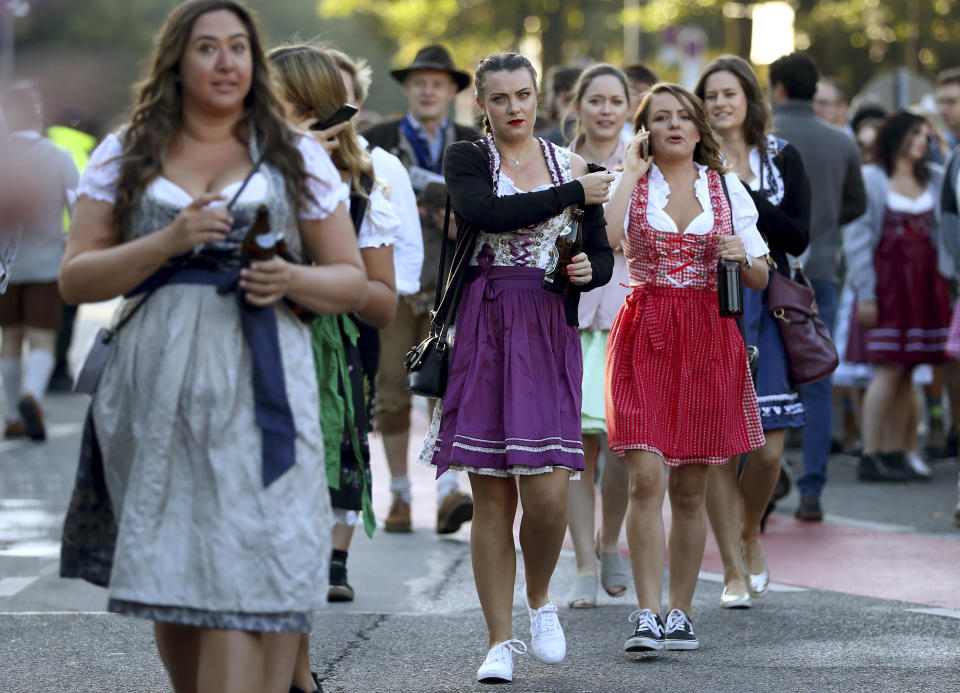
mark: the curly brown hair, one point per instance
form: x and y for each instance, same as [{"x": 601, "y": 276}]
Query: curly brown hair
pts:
[
  {"x": 158, "y": 104},
  {"x": 707, "y": 151}
]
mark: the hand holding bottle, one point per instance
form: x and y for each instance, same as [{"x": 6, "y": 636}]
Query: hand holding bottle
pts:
[
  {"x": 266, "y": 281},
  {"x": 730, "y": 247},
  {"x": 580, "y": 270},
  {"x": 596, "y": 187}
]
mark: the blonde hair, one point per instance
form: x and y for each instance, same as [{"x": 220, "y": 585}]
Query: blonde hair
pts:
[
  {"x": 358, "y": 68},
  {"x": 310, "y": 81},
  {"x": 707, "y": 151}
]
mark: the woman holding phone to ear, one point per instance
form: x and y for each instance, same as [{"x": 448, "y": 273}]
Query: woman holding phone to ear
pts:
[
  {"x": 314, "y": 95},
  {"x": 678, "y": 388}
]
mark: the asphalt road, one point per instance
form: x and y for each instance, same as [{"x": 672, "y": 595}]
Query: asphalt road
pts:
[{"x": 869, "y": 600}]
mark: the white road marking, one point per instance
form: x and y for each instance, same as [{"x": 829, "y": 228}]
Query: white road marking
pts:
[
  {"x": 11, "y": 585},
  {"x": 33, "y": 549},
  {"x": 933, "y": 611},
  {"x": 867, "y": 524},
  {"x": 773, "y": 587}
]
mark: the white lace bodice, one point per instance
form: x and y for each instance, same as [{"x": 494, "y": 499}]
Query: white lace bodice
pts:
[{"x": 533, "y": 246}]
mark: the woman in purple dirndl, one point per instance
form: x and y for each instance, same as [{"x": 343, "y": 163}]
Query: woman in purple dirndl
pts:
[{"x": 511, "y": 413}]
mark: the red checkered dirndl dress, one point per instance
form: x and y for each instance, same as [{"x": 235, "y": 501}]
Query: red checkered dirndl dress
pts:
[{"x": 677, "y": 379}]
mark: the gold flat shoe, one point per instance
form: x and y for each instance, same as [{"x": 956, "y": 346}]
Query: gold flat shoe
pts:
[{"x": 734, "y": 600}]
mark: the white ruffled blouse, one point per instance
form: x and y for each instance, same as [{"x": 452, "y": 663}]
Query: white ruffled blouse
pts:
[
  {"x": 99, "y": 180},
  {"x": 743, "y": 210}
]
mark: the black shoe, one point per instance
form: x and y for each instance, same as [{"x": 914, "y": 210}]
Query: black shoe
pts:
[
  {"x": 809, "y": 510},
  {"x": 874, "y": 468},
  {"x": 897, "y": 465},
  {"x": 33, "y": 416},
  {"x": 783, "y": 484},
  {"x": 679, "y": 634},
  {"x": 340, "y": 590},
  {"x": 649, "y": 633},
  {"x": 60, "y": 381},
  {"x": 766, "y": 513}
]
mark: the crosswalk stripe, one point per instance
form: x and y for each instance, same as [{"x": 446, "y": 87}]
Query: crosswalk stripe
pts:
[
  {"x": 12, "y": 585},
  {"x": 949, "y": 613}
]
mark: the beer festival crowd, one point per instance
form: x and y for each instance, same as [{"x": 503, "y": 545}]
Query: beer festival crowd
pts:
[{"x": 604, "y": 281}]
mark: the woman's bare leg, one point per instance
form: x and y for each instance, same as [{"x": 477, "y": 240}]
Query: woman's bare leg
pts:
[
  {"x": 688, "y": 531},
  {"x": 493, "y": 551},
  {"x": 645, "y": 533}
]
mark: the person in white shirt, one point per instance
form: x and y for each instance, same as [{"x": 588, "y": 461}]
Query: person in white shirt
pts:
[{"x": 30, "y": 308}]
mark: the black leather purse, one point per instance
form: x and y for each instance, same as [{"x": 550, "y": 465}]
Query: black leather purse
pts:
[{"x": 428, "y": 362}]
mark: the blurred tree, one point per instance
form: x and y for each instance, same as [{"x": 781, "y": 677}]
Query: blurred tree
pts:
[
  {"x": 850, "y": 39},
  {"x": 568, "y": 29}
]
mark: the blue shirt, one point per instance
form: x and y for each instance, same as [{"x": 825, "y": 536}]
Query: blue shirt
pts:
[{"x": 435, "y": 146}]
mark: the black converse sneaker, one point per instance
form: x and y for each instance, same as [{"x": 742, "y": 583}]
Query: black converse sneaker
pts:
[
  {"x": 340, "y": 590},
  {"x": 679, "y": 635},
  {"x": 649, "y": 633}
]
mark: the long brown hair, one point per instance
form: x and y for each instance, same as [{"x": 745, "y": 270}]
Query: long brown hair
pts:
[
  {"x": 757, "y": 122},
  {"x": 310, "y": 80},
  {"x": 707, "y": 151},
  {"x": 158, "y": 112}
]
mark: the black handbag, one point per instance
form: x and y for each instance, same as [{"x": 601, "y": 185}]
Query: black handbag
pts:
[{"x": 428, "y": 362}]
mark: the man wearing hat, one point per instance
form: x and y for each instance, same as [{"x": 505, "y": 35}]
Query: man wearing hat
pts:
[{"x": 419, "y": 140}]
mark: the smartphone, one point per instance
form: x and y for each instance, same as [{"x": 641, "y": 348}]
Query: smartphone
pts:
[
  {"x": 644, "y": 146},
  {"x": 345, "y": 112}
]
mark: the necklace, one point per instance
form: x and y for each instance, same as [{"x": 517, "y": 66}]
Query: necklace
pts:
[{"x": 515, "y": 162}]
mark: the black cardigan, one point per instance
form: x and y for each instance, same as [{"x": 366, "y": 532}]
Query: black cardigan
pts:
[
  {"x": 786, "y": 227},
  {"x": 466, "y": 168}
]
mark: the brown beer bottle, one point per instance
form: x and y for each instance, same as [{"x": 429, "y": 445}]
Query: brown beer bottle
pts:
[
  {"x": 260, "y": 243},
  {"x": 569, "y": 244}
]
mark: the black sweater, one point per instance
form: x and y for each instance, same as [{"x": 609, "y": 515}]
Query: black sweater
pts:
[
  {"x": 466, "y": 168},
  {"x": 786, "y": 227}
]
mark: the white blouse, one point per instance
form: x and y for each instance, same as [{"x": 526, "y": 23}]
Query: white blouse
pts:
[
  {"x": 408, "y": 245},
  {"x": 99, "y": 180},
  {"x": 380, "y": 224},
  {"x": 908, "y": 205},
  {"x": 743, "y": 211}
]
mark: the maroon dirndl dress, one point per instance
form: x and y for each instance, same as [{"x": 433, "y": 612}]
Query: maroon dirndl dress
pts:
[
  {"x": 677, "y": 379},
  {"x": 913, "y": 298}
]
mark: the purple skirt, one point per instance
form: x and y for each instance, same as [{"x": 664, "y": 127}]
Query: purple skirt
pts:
[{"x": 512, "y": 404}]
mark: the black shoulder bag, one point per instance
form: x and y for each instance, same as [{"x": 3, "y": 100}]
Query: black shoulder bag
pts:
[{"x": 427, "y": 363}]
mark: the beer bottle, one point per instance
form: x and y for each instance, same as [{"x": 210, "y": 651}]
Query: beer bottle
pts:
[
  {"x": 569, "y": 244},
  {"x": 260, "y": 243},
  {"x": 729, "y": 289}
]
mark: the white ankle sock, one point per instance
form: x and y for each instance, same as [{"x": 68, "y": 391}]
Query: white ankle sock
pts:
[
  {"x": 400, "y": 487},
  {"x": 11, "y": 370},
  {"x": 446, "y": 484},
  {"x": 37, "y": 374}
]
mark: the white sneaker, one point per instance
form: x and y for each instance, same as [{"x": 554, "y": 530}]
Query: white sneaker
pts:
[
  {"x": 919, "y": 467},
  {"x": 546, "y": 636},
  {"x": 498, "y": 666}
]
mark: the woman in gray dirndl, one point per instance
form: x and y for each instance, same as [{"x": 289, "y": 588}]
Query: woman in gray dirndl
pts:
[{"x": 206, "y": 413}]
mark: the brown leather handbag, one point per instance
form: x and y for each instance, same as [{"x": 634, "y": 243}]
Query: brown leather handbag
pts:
[{"x": 811, "y": 353}]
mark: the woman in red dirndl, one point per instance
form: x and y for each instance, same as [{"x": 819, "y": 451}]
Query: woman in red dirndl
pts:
[{"x": 678, "y": 386}]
